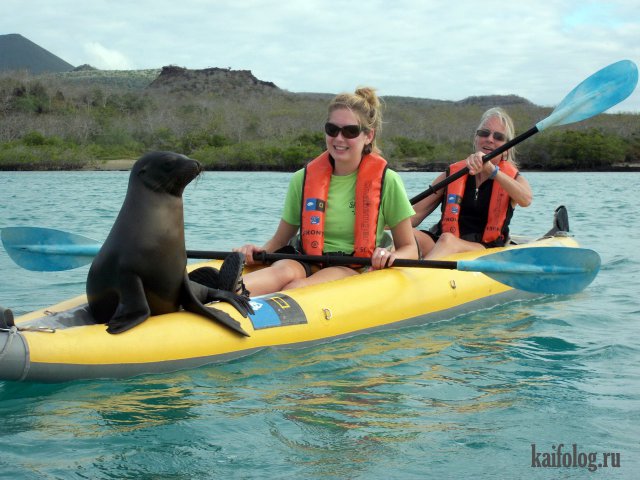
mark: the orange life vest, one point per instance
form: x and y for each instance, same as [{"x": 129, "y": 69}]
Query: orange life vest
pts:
[
  {"x": 315, "y": 192},
  {"x": 498, "y": 203}
]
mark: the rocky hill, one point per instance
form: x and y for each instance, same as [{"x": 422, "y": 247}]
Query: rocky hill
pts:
[
  {"x": 488, "y": 101},
  {"x": 219, "y": 80},
  {"x": 18, "y": 54}
]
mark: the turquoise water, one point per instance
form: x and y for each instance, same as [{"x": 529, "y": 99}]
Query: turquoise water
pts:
[{"x": 465, "y": 398}]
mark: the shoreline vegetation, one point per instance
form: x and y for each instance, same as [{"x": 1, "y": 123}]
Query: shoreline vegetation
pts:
[
  {"x": 229, "y": 120},
  {"x": 126, "y": 164}
]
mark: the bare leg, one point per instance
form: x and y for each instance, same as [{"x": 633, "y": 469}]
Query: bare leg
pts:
[
  {"x": 449, "y": 244},
  {"x": 274, "y": 277},
  {"x": 424, "y": 241},
  {"x": 321, "y": 276}
]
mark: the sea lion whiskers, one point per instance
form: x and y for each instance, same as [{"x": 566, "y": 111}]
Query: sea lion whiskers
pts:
[
  {"x": 171, "y": 173},
  {"x": 202, "y": 173}
]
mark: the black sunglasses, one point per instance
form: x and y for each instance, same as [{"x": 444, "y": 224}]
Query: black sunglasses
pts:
[
  {"x": 483, "y": 132},
  {"x": 348, "y": 131}
]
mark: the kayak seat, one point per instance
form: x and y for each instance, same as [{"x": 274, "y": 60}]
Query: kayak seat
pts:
[
  {"x": 560, "y": 228},
  {"x": 6, "y": 318},
  {"x": 560, "y": 223}
]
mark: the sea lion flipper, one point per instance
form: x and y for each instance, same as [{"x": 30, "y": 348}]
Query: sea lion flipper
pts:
[
  {"x": 208, "y": 294},
  {"x": 122, "y": 323},
  {"x": 191, "y": 302},
  {"x": 216, "y": 315},
  {"x": 133, "y": 308},
  {"x": 207, "y": 276},
  {"x": 240, "y": 302},
  {"x": 224, "y": 318}
]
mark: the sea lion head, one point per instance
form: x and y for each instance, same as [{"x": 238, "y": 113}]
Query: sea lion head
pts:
[{"x": 165, "y": 172}]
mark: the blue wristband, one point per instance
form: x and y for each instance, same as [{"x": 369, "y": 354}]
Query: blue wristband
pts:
[{"x": 494, "y": 173}]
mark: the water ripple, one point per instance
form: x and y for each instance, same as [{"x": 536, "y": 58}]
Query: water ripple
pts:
[{"x": 459, "y": 399}]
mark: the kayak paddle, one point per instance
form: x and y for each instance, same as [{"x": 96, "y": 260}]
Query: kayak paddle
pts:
[
  {"x": 554, "y": 270},
  {"x": 601, "y": 91}
]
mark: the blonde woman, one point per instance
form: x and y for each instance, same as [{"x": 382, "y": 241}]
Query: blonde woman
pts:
[
  {"x": 340, "y": 203},
  {"x": 477, "y": 207}
]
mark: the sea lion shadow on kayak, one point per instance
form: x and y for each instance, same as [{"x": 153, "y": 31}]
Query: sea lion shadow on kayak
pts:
[{"x": 140, "y": 269}]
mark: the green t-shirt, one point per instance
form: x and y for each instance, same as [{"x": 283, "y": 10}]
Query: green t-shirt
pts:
[{"x": 340, "y": 210}]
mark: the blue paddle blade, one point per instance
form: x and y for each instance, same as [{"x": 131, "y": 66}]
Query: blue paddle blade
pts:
[
  {"x": 552, "y": 270},
  {"x": 599, "y": 92},
  {"x": 46, "y": 249}
]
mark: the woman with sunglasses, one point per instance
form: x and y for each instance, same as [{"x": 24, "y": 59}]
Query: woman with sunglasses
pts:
[
  {"x": 476, "y": 208},
  {"x": 340, "y": 203}
]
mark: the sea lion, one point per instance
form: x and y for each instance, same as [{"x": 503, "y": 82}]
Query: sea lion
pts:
[{"x": 141, "y": 268}]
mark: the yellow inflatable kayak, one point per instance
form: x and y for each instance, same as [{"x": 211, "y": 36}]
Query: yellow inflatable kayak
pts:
[{"x": 61, "y": 343}]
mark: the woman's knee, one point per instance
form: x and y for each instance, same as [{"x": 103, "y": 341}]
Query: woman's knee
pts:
[
  {"x": 321, "y": 276},
  {"x": 448, "y": 243},
  {"x": 447, "y": 238},
  {"x": 289, "y": 271},
  {"x": 424, "y": 242}
]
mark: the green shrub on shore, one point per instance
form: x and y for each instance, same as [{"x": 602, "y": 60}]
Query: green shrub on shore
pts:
[
  {"x": 17, "y": 156},
  {"x": 55, "y": 122},
  {"x": 259, "y": 155},
  {"x": 576, "y": 150}
]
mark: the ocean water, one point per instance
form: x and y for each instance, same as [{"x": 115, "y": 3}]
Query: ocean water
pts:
[{"x": 491, "y": 394}]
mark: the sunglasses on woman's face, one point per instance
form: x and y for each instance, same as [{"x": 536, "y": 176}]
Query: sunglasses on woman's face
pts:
[
  {"x": 498, "y": 136},
  {"x": 348, "y": 131}
]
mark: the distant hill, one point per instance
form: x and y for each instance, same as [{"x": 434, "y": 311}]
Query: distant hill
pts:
[
  {"x": 488, "y": 101},
  {"x": 238, "y": 83},
  {"x": 19, "y": 53}
]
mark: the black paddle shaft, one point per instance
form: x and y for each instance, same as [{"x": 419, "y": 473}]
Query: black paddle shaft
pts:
[
  {"x": 327, "y": 260},
  {"x": 434, "y": 188}
]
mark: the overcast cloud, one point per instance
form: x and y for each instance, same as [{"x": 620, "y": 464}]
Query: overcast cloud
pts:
[{"x": 445, "y": 50}]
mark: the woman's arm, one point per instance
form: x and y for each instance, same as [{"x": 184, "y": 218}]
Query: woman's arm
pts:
[
  {"x": 405, "y": 246},
  {"x": 518, "y": 188},
  {"x": 284, "y": 233},
  {"x": 427, "y": 205}
]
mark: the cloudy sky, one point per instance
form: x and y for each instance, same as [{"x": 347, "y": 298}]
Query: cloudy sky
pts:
[{"x": 445, "y": 50}]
